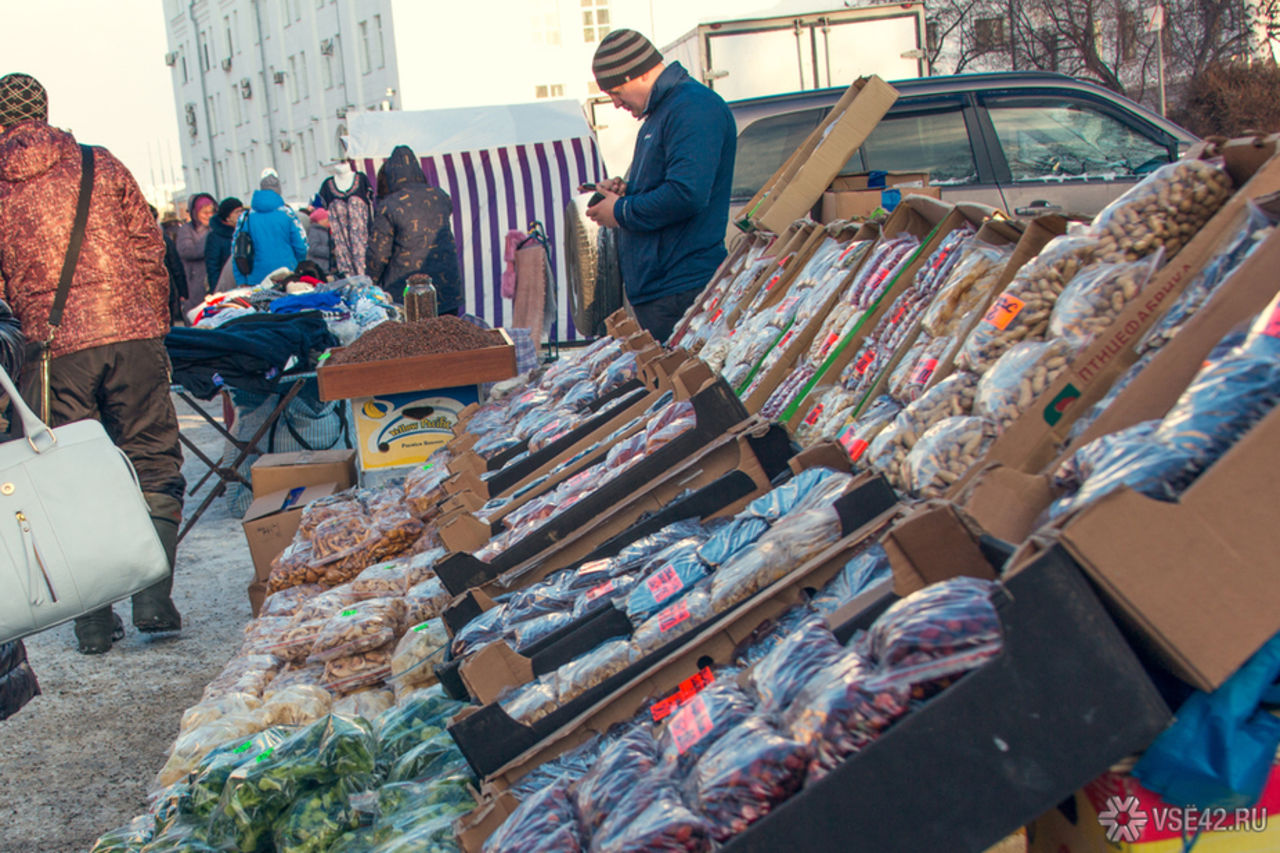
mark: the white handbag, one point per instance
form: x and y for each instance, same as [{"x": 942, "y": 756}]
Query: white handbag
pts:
[{"x": 75, "y": 529}]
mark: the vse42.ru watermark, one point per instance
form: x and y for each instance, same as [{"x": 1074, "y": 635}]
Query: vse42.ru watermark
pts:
[{"x": 1125, "y": 820}]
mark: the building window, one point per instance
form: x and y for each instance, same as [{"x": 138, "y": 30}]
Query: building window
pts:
[
  {"x": 989, "y": 34},
  {"x": 326, "y": 69},
  {"x": 382, "y": 55},
  {"x": 204, "y": 51},
  {"x": 311, "y": 140},
  {"x": 545, "y": 24},
  {"x": 226, "y": 30},
  {"x": 595, "y": 20},
  {"x": 364, "y": 47},
  {"x": 236, "y": 111},
  {"x": 342, "y": 62},
  {"x": 304, "y": 82},
  {"x": 213, "y": 116},
  {"x": 235, "y": 28},
  {"x": 553, "y": 90},
  {"x": 291, "y": 79},
  {"x": 301, "y": 155},
  {"x": 182, "y": 57},
  {"x": 244, "y": 171}
]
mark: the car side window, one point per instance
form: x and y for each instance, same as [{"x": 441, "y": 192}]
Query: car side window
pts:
[
  {"x": 932, "y": 140},
  {"x": 766, "y": 144},
  {"x": 1047, "y": 138}
]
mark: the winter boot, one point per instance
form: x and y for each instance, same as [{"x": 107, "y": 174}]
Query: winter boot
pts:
[
  {"x": 153, "y": 608},
  {"x": 96, "y": 631}
]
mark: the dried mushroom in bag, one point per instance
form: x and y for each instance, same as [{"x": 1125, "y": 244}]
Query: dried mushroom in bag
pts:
[
  {"x": 296, "y": 705},
  {"x": 350, "y": 673},
  {"x": 367, "y": 703},
  {"x": 287, "y": 601},
  {"x": 370, "y": 624}
]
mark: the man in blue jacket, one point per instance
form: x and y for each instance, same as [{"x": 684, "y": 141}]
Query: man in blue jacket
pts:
[
  {"x": 278, "y": 238},
  {"x": 672, "y": 211}
]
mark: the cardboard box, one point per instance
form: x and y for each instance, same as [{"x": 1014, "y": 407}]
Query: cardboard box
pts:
[
  {"x": 501, "y": 750},
  {"x": 936, "y": 541},
  {"x": 1064, "y": 700},
  {"x": 861, "y": 196},
  {"x": 800, "y": 181},
  {"x": 1075, "y": 825},
  {"x": 416, "y": 373},
  {"x": 272, "y": 472},
  {"x": 270, "y": 523},
  {"x": 1194, "y": 581},
  {"x": 744, "y": 255},
  {"x": 1033, "y": 440},
  {"x": 927, "y": 219},
  {"x": 393, "y": 430}
]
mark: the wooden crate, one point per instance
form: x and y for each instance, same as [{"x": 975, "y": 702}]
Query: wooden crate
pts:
[{"x": 417, "y": 372}]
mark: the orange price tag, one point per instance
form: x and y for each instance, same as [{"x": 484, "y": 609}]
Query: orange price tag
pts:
[
  {"x": 814, "y": 414},
  {"x": 597, "y": 591},
  {"x": 664, "y": 584},
  {"x": 772, "y": 281},
  {"x": 1003, "y": 310},
  {"x": 672, "y": 616},
  {"x": 690, "y": 724}
]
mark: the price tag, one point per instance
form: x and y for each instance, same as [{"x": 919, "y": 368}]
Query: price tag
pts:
[
  {"x": 711, "y": 305},
  {"x": 324, "y": 357},
  {"x": 686, "y": 690},
  {"x": 665, "y": 583},
  {"x": 265, "y": 754},
  {"x": 853, "y": 244},
  {"x": 673, "y": 616},
  {"x": 898, "y": 315},
  {"x": 242, "y": 748},
  {"x": 785, "y": 306},
  {"x": 854, "y": 446},
  {"x": 690, "y": 724},
  {"x": 1272, "y": 329},
  {"x": 351, "y": 612},
  {"x": 865, "y": 362},
  {"x": 597, "y": 591},
  {"x": 772, "y": 281},
  {"x": 424, "y": 626},
  {"x": 1003, "y": 311},
  {"x": 782, "y": 344},
  {"x": 716, "y": 316},
  {"x": 827, "y": 345},
  {"x": 814, "y": 413},
  {"x": 923, "y": 371}
]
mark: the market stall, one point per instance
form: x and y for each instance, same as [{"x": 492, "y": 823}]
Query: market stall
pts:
[{"x": 940, "y": 537}]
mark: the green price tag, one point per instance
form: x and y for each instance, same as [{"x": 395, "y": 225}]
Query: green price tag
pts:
[
  {"x": 428, "y": 466},
  {"x": 424, "y": 626},
  {"x": 324, "y": 357},
  {"x": 351, "y": 612},
  {"x": 265, "y": 755},
  {"x": 244, "y": 747}
]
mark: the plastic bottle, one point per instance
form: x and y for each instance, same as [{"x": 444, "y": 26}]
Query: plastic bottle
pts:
[{"x": 419, "y": 298}]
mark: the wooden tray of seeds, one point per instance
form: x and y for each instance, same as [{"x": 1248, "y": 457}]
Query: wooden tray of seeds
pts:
[{"x": 341, "y": 381}]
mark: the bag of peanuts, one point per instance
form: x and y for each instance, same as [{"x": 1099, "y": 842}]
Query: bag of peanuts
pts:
[
  {"x": 1096, "y": 296},
  {"x": 1020, "y": 376},
  {"x": 856, "y": 436},
  {"x": 1022, "y": 311},
  {"x": 531, "y": 702},
  {"x": 969, "y": 283},
  {"x": 913, "y": 374},
  {"x": 945, "y": 453},
  {"x": 593, "y": 668},
  {"x": 951, "y": 397},
  {"x": 1164, "y": 211}
]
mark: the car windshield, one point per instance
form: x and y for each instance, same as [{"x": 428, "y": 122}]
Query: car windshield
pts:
[{"x": 1055, "y": 138}]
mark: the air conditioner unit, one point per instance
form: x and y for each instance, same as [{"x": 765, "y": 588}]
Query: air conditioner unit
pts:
[
  {"x": 277, "y": 77},
  {"x": 246, "y": 88},
  {"x": 191, "y": 118},
  {"x": 342, "y": 112},
  {"x": 326, "y": 47},
  {"x": 285, "y": 145},
  {"x": 226, "y": 64},
  {"x": 171, "y": 58}
]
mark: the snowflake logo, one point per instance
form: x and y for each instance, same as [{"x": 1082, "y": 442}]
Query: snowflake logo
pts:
[{"x": 1123, "y": 819}]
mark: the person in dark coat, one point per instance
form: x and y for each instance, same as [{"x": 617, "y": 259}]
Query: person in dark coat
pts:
[
  {"x": 177, "y": 275},
  {"x": 318, "y": 242},
  {"x": 190, "y": 242},
  {"x": 17, "y": 680},
  {"x": 217, "y": 246},
  {"x": 411, "y": 233}
]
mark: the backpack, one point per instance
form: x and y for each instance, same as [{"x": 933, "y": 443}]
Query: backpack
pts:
[{"x": 242, "y": 250}]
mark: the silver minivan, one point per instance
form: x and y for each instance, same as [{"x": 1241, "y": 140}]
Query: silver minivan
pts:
[{"x": 1026, "y": 142}]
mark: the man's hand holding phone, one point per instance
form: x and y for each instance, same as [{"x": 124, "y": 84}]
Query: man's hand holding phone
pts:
[{"x": 600, "y": 205}]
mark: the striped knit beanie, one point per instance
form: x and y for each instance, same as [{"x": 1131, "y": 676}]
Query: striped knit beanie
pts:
[
  {"x": 22, "y": 98},
  {"x": 623, "y": 55}
]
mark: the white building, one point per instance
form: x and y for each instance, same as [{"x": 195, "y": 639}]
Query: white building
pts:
[{"x": 261, "y": 83}]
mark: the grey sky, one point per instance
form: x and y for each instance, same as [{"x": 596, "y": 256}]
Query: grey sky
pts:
[{"x": 102, "y": 62}]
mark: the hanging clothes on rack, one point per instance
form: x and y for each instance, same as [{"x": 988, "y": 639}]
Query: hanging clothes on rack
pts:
[{"x": 349, "y": 199}]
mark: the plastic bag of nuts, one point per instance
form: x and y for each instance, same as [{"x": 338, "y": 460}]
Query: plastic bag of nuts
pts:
[
  {"x": 321, "y": 509},
  {"x": 888, "y": 451},
  {"x": 857, "y": 435},
  {"x": 1022, "y": 311},
  {"x": 944, "y": 453},
  {"x": 593, "y": 668},
  {"x": 1096, "y": 296},
  {"x": 367, "y": 625},
  {"x": 1164, "y": 211},
  {"x": 674, "y": 620},
  {"x": 967, "y": 285},
  {"x": 753, "y": 768},
  {"x": 531, "y": 702},
  {"x": 1020, "y": 376},
  {"x": 423, "y": 489},
  {"x": 914, "y": 373}
]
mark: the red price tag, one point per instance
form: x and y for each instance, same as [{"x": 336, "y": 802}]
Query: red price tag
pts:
[
  {"x": 597, "y": 591},
  {"x": 783, "y": 343},
  {"x": 769, "y": 285},
  {"x": 865, "y": 362},
  {"x": 1003, "y": 311},
  {"x": 712, "y": 303},
  {"x": 856, "y": 448},
  {"x": 716, "y": 316},
  {"x": 673, "y": 616},
  {"x": 853, "y": 244},
  {"x": 664, "y": 584},
  {"x": 897, "y": 316},
  {"x": 690, "y": 724},
  {"x": 686, "y": 690},
  {"x": 923, "y": 371},
  {"x": 814, "y": 413},
  {"x": 828, "y": 344},
  {"x": 1272, "y": 329}
]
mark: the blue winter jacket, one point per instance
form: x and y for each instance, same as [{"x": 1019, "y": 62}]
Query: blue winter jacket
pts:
[
  {"x": 674, "y": 216},
  {"x": 278, "y": 238}
]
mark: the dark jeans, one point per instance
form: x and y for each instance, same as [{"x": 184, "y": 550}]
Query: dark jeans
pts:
[
  {"x": 659, "y": 316},
  {"x": 126, "y": 387}
]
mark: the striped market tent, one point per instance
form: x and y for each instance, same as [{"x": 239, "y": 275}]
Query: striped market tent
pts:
[{"x": 504, "y": 167}]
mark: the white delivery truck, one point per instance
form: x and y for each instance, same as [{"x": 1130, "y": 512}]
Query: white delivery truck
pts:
[{"x": 780, "y": 50}]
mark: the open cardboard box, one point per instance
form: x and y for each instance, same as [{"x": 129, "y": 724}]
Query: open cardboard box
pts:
[
  {"x": 861, "y": 196},
  {"x": 744, "y": 252},
  {"x": 502, "y": 750},
  {"x": 418, "y": 372},
  {"x": 799, "y": 183},
  {"x": 929, "y": 220},
  {"x": 1033, "y": 440},
  {"x": 497, "y": 667}
]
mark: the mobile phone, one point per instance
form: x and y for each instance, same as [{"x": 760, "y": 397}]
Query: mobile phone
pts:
[{"x": 596, "y": 197}]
